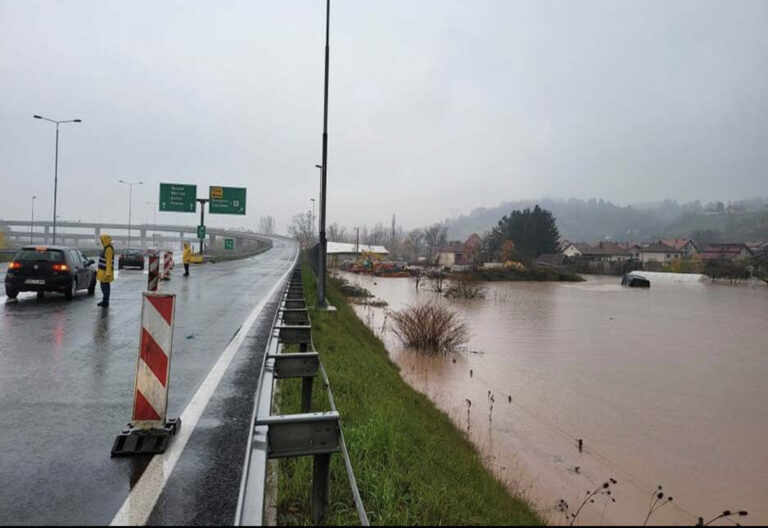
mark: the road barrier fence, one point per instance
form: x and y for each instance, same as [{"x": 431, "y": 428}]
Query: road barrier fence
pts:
[{"x": 315, "y": 434}]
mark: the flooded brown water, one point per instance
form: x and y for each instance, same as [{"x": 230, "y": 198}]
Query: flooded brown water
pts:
[{"x": 667, "y": 386}]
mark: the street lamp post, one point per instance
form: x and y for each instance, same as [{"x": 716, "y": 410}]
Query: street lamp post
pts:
[
  {"x": 32, "y": 221},
  {"x": 321, "y": 301},
  {"x": 130, "y": 201},
  {"x": 56, "y": 165}
]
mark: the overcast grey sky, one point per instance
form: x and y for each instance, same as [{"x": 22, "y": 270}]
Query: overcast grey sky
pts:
[{"x": 436, "y": 106}]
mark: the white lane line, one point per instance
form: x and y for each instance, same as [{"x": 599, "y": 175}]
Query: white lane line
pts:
[{"x": 142, "y": 498}]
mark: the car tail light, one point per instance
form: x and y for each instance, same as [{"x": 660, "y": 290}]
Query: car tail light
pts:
[
  {"x": 60, "y": 267},
  {"x": 14, "y": 265}
]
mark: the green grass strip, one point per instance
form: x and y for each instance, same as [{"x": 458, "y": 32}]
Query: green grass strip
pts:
[{"x": 413, "y": 466}]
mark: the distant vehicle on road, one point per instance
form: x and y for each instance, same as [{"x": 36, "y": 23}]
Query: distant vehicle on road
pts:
[
  {"x": 133, "y": 258},
  {"x": 50, "y": 269}
]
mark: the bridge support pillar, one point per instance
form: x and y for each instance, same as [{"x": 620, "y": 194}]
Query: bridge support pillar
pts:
[
  {"x": 143, "y": 237},
  {"x": 45, "y": 235}
]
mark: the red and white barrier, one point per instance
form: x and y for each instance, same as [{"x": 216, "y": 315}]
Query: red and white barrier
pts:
[
  {"x": 154, "y": 269},
  {"x": 167, "y": 265},
  {"x": 150, "y": 399}
]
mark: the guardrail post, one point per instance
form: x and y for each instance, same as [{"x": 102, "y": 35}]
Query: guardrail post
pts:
[
  {"x": 321, "y": 487},
  {"x": 306, "y": 395}
]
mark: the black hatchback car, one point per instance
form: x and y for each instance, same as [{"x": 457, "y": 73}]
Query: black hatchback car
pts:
[
  {"x": 130, "y": 258},
  {"x": 50, "y": 269}
]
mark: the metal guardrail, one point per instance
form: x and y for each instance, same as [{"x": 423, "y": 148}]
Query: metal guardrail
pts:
[{"x": 306, "y": 434}]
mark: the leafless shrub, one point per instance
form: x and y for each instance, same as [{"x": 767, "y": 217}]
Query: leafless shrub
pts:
[
  {"x": 727, "y": 514},
  {"x": 604, "y": 489},
  {"x": 437, "y": 278},
  {"x": 429, "y": 327},
  {"x": 349, "y": 289},
  {"x": 465, "y": 289},
  {"x": 657, "y": 502}
]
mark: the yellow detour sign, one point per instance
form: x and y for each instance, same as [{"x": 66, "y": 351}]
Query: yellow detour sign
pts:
[
  {"x": 3, "y": 244},
  {"x": 197, "y": 258},
  {"x": 217, "y": 193}
]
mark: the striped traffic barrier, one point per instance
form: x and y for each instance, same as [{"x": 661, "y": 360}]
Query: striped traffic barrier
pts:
[
  {"x": 173, "y": 264},
  {"x": 167, "y": 264},
  {"x": 154, "y": 269},
  {"x": 149, "y": 430}
]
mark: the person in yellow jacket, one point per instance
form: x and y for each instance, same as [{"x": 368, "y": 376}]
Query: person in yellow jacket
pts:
[
  {"x": 186, "y": 258},
  {"x": 106, "y": 272}
]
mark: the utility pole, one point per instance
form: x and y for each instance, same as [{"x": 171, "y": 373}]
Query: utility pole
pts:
[
  {"x": 202, "y": 201},
  {"x": 321, "y": 300},
  {"x": 392, "y": 248},
  {"x": 154, "y": 221},
  {"x": 357, "y": 241}
]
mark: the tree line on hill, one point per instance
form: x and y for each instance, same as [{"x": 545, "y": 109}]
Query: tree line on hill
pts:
[{"x": 594, "y": 220}]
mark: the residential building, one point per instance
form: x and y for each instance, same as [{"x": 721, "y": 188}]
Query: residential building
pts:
[
  {"x": 575, "y": 249},
  {"x": 451, "y": 255},
  {"x": 658, "y": 252},
  {"x": 338, "y": 252},
  {"x": 726, "y": 251},
  {"x": 606, "y": 252},
  {"x": 686, "y": 245}
]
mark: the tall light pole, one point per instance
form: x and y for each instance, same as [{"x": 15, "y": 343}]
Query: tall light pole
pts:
[
  {"x": 56, "y": 165},
  {"x": 130, "y": 201},
  {"x": 313, "y": 219},
  {"x": 321, "y": 300},
  {"x": 32, "y": 221}
]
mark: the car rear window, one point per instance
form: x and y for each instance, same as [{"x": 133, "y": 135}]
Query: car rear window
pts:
[
  {"x": 39, "y": 255},
  {"x": 131, "y": 252}
]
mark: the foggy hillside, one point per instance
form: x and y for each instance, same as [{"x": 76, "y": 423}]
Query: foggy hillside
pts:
[{"x": 593, "y": 220}]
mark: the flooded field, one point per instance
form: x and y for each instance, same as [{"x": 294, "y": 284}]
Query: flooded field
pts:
[{"x": 667, "y": 386}]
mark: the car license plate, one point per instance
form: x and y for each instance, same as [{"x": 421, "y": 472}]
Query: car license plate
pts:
[{"x": 34, "y": 281}]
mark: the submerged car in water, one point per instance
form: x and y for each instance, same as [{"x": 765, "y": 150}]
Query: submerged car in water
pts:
[
  {"x": 633, "y": 280},
  {"x": 50, "y": 269}
]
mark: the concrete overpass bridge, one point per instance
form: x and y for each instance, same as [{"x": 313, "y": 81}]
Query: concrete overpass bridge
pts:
[{"x": 86, "y": 234}]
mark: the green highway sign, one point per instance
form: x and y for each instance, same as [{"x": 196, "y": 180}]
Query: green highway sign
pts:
[
  {"x": 229, "y": 243},
  {"x": 200, "y": 232},
  {"x": 227, "y": 200},
  {"x": 178, "y": 198}
]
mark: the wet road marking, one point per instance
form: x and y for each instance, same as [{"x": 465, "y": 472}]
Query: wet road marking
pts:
[{"x": 142, "y": 498}]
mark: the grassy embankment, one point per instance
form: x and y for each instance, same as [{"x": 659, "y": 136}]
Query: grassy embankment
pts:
[
  {"x": 536, "y": 273},
  {"x": 413, "y": 466}
]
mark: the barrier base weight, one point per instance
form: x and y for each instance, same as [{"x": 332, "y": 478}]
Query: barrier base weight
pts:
[{"x": 136, "y": 441}]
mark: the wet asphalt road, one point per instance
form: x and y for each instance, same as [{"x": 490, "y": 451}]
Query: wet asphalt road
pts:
[{"x": 66, "y": 390}]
